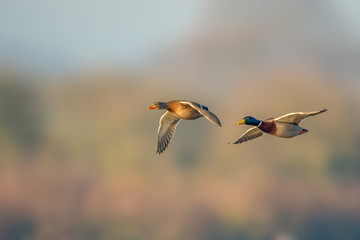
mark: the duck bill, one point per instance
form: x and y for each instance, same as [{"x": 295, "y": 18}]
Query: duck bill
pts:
[
  {"x": 152, "y": 107},
  {"x": 241, "y": 122}
]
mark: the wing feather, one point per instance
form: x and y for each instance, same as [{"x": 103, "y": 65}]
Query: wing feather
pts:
[
  {"x": 167, "y": 127},
  {"x": 249, "y": 135},
  {"x": 297, "y": 117},
  {"x": 206, "y": 113}
]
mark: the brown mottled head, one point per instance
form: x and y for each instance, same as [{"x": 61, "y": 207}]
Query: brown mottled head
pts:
[{"x": 158, "y": 105}]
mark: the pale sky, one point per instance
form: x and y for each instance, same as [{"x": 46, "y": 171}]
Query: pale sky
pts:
[
  {"x": 80, "y": 31},
  {"x": 68, "y": 33}
]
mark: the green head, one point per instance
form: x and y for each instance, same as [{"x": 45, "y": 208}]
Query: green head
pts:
[{"x": 249, "y": 121}]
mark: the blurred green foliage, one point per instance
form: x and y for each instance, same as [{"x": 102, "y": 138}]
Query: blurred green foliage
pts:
[{"x": 20, "y": 115}]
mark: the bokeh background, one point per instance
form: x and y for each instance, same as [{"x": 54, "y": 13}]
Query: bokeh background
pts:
[{"x": 77, "y": 145}]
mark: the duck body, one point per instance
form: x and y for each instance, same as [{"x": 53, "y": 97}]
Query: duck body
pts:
[
  {"x": 176, "y": 111},
  {"x": 286, "y": 126},
  {"x": 183, "y": 111},
  {"x": 281, "y": 129}
]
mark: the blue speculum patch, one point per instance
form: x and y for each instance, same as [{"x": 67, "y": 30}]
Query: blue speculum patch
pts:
[{"x": 204, "y": 107}]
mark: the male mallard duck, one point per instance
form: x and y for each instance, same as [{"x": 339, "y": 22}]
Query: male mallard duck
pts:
[
  {"x": 177, "y": 110},
  {"x": 286, "y": 126}
]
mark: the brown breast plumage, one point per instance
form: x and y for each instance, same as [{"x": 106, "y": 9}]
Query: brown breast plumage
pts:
[{"x": 268, "y": 126}]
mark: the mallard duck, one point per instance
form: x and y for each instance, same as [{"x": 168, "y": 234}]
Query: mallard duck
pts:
[
  {"x": 286, "y": 126},
  {"x": 177, "y": 110}
]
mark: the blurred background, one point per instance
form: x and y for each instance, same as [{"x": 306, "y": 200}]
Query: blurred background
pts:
[{"x": 77, "y": 145}]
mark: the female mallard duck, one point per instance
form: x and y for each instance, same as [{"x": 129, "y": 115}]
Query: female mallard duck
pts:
[
  {"x": 177, "y": 110},
  {"x": 286, "y": 126}
]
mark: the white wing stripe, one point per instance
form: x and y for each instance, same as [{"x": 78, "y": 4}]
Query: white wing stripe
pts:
[{"x": 189, "y": 103}]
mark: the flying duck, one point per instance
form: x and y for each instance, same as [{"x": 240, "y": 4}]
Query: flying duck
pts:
[
  {"x": 177, "y": 110},
  {"x": 286, "y": 126}
]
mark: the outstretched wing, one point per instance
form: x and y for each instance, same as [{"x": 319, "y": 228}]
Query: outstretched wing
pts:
[
  {"x": 167, "y": 126},
  {"x": 249, "y": 135},
  {"x": 203, "y": 110},
  {"x": 297, "y": 117}
]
